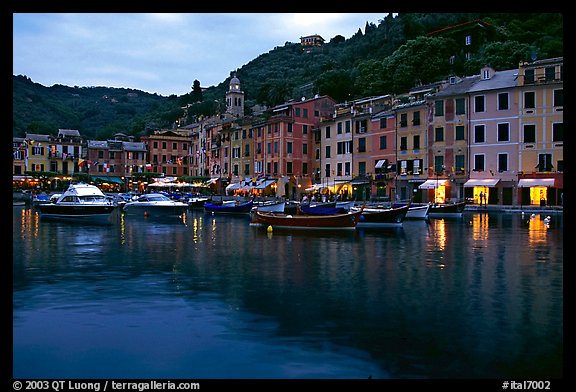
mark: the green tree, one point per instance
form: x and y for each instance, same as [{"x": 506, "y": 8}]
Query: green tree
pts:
[
  {"x": 338, "y": 84},
  {"x": 424, "y": 59},
  {"x": 500, "y": 56},
  {"x": 196, "y": 92},
  {"x": 369, "y": 78}
]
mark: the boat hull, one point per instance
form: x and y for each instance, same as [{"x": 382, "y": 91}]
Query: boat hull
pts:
[
  {"x": 418, "y": 212},
  {"x": 85, "y": 213},
  {"x": 346, "y": 221},
  {"x": 383, "y": 217},
  {"x": 415, "y": 212},
  {"x": 229, "y": 208},
  {"x": 320, "y": 210},
  {"x": 80, "y": 202},
  {"x": 272, "y": 207},
  {"x": 455, "y": 210}
]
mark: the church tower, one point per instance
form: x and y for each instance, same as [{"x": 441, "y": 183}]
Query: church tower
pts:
[{"x": 235, "y": 98}]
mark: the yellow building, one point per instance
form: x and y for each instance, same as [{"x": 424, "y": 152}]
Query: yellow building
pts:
[{"x": 541, "y": 121}]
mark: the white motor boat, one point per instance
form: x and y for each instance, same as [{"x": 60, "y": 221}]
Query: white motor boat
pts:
[
  {"x": 155, "y": 204},
  {"x": 79, "y": 202}
]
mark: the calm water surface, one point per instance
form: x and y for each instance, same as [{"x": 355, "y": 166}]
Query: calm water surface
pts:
[{"x": 209, "y": 296}]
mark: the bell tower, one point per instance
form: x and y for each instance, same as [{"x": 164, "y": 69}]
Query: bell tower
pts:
[{"x": 235, "y": 98}]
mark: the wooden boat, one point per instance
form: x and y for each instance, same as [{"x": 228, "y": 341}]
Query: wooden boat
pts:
[
  {"x": 347, "y": 221},
  {"x": 80, "y": 202},
  {"x": 321, "y": 210},
  {"x": 447, "y": 210},
  {"x": 416, "y": 211},
  {"x": 382, "y": 217},
  {"x": 270, "y": 206},
  {"x": 232, "y": 207}
]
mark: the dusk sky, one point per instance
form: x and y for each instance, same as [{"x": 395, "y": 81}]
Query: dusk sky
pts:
[{"x": 159, "y": 53}]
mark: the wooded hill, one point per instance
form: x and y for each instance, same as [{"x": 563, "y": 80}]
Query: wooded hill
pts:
[{"x": 387, "y": 58}]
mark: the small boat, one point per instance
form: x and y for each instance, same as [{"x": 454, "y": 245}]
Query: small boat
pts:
[
  {"x": 41, "y": 198},
  {"x": 197, "y": 201},
  {"x": 345, "y": 204},
  {"x": 382, "y": 217},
  {"x": 270, "y": 206},
  {"x": 447, "y": 210},
  {"x": 154, "y": 204},
  {"x": 416, "y": 211},
  {"x": 345, "y": 221},
  {"x": 80, "y": 202},
  {"x": 321, "y": 210},
  {"x": 230, "y": 207}
]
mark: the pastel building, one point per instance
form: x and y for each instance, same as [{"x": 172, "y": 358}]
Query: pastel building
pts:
[
  {"x": 540, "y": 94},
  {"x": 493, "y": 137},
  {"x": 411, "y": 149}
]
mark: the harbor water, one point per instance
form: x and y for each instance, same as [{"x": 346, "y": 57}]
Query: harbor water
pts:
[{"x": 210, "y": 297}]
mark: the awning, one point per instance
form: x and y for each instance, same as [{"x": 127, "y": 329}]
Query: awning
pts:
[
  {"x": 233, "y": 186},
  {"x": 265, "y": 183},
  {"x": 380, "y": 163},
  {"x": 112, "y": 179},
  {"x": 432, "y": 184},
  {"x": 360, "y": 181},
  {"x": 528, "y": 182},
  {"x": 482, "y": 182}
]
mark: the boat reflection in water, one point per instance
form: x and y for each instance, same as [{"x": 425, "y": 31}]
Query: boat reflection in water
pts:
[{"x": 216, "y": 299}]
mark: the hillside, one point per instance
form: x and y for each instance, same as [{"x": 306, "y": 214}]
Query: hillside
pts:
[{"x": 381, "y": 59}]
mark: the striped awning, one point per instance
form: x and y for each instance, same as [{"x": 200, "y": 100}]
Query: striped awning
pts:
[
  {"x": 432, "y": 184},
  {"x": 488, "y": 182},
  {"x": 528, "y": 182}
]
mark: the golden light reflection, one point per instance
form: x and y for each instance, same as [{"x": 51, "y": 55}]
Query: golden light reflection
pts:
[
  {"x": 480, "y": 227},
  {"x": 538, "y": 226},
  {"x": 122, "y": 229},
  {"x": 29, "y": 219},
  {"x": 196, "y": 227},
  {"x": 440, "y": 235}
]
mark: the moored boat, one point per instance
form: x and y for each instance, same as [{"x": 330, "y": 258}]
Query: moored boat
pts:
[
  {"x": 231, "y": 207},
  {"x": 41, "y": 198},
  {"x": 321, "y": 210},
  {"x": 382, "y": 217},
  {"x": 80, "y": 202},
  {"x": 154, "y": 204},
  {"x": 416, "y": 211},
  {"x": 197, "y": 201},
  {"x": 270, "y": 206},
  {"x": 346, "y": 221},
  {"x": 447, "y": 210}
]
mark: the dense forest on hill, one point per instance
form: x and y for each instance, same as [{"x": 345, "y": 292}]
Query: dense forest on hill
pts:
[{"x": 388, "y": 58}]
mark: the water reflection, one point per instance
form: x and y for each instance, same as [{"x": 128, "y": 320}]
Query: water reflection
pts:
[{"x": 213, "y": 297}]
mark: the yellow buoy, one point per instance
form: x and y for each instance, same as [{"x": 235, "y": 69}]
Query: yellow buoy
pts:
[{"x": 269, "y": 229}]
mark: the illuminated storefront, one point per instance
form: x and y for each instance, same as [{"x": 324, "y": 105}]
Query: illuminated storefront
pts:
[
  {"x": 439, "y": 187},
  {"x": 538, "y": 189},
  {"x": 481, "y": 189}
]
